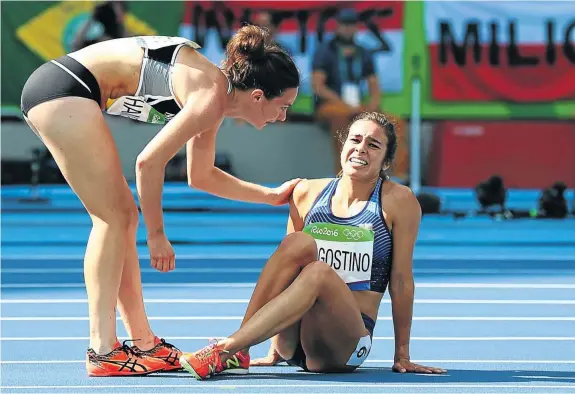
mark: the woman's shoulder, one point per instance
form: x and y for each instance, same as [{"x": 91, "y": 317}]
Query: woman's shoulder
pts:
[
  {"x": 397, "y": 198},
  {"x": 196, "y": 74},
  {"x": 307, "y": 191},
  {"x": 310, "y": 187}
]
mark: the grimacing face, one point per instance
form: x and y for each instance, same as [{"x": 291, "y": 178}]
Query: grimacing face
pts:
[
  {"x": 364, "y": 150},
  {"x": 263, "y": 111}
]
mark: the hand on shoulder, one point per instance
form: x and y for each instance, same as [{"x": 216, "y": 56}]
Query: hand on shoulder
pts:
[
  {"x": 309, "y": 189},
  {"x": 302, "y": 198},
  {"x": 300, "y": 191}
]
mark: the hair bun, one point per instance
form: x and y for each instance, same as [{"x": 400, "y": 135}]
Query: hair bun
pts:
[
  {"x": 251, "y": 41},
  {"x": 254, "y": 61}
]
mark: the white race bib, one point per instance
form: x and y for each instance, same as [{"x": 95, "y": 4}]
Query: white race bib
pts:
[
  {"x": 347, "y": 249},
  {"x": 361, "y": 352},
  {"x": 135, "y": 108}
]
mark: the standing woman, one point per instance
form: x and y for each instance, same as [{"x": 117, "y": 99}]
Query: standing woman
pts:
[{"x": 155, "y": 80}]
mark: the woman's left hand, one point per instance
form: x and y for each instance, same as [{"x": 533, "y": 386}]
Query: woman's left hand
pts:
[
  {"x": 281, "y": 194},
  {"x": 403, "y": 365}
]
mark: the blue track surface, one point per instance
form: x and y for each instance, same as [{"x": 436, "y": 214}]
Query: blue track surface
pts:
[{"x": 493, "y": 306}]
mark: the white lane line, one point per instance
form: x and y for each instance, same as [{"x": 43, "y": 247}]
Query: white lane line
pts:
[
  {"x": 17, "y": 362},
  {"x": 233, "y": 270},
  {"x": 247, "y": 300},
  {"x": 191, "y": 338},
  {"x": 162, "y": 387},
  {"x": 379, "y": 318},
  {"x": 252, "y": 285}
]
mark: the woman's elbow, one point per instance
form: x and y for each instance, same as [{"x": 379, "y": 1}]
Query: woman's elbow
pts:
[
  {"x": 193, "y": 182},
  {"x": 198, "y": 179},
  {"x": 143, "y": 163},
  {"x": 400, "y": 287},
  {"x": 149, "y": 165}
]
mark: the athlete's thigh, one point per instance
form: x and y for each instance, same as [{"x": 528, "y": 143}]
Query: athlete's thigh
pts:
[
  {"x": 332, "y": 328},
  {"x": 75, "y": 132}
]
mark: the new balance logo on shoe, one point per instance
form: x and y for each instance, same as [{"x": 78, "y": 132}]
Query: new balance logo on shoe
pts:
[{"x": 233, "y": 362}]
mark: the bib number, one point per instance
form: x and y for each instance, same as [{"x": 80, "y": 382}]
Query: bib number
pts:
[
  {"x": 135, "y": 108},
  {"x": 347, "y": 249},
  {"x": 361, "y": 352}
]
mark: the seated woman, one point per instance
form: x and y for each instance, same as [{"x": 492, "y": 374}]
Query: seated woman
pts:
[{"x": 318, "y": 295}]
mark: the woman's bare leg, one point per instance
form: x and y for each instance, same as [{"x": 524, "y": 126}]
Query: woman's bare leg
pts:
[
  {"x": 317, "y": 287},
  {"x": 295, "y": 252},
  {"x": 75, "y": 132},
  {"x": 131, "y": 298}
]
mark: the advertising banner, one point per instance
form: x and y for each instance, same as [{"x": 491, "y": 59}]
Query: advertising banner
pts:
[
  {"x": 302, "y": 26},
  {"x": 485, "y": 51}
]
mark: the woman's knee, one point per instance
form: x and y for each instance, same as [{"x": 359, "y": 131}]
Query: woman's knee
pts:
[
  {"x": 124, "y": 216},
  {"x": 317, "y": 274},
  {"x": 299, "y": 247},
  {"x": 133, "y": 216}
]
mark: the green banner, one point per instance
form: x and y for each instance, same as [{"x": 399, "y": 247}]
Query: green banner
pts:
[{"x": 34, "y": 32}]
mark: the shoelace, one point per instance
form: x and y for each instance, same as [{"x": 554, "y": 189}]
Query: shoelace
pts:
[
  {"x": 206, "y": 353},
  {"x": 168, "y": 345},
  {"x": 129, "y": 350}
]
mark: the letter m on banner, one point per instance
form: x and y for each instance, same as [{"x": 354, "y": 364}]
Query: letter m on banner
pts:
[{"x": 520, "y": 51}]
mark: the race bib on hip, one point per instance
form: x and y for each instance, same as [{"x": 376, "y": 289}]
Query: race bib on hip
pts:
[
  {"x": 347, "y": 249},
  {"x": 135, "y": 108},
  {"x": 361, "y": 352}
]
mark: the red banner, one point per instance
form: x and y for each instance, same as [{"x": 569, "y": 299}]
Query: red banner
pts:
[
  {"x": 294, "y": 15},
  {"x": 501, "y": 51},
  {"x": 527, "y": 154},
  {"x": 301, "y": 28}
]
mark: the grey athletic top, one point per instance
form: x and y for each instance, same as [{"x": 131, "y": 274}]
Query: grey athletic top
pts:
[{"x": 154, "y": 101}]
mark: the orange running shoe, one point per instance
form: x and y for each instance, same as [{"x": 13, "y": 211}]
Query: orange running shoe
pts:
[
  {"x": 204, "y": 363},
  {"x": 122, "y": 361},
  {"x": 164, "y": 351},
  {"x": 238, "y": 364}
]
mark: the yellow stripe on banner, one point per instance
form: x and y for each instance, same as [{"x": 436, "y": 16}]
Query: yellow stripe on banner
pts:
[
  {"x": 137, "y": 27},
  {"x": 46, "y": 33}
]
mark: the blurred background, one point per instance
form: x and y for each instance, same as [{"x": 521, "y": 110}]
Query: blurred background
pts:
[{"x": 484, "y": 92}]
